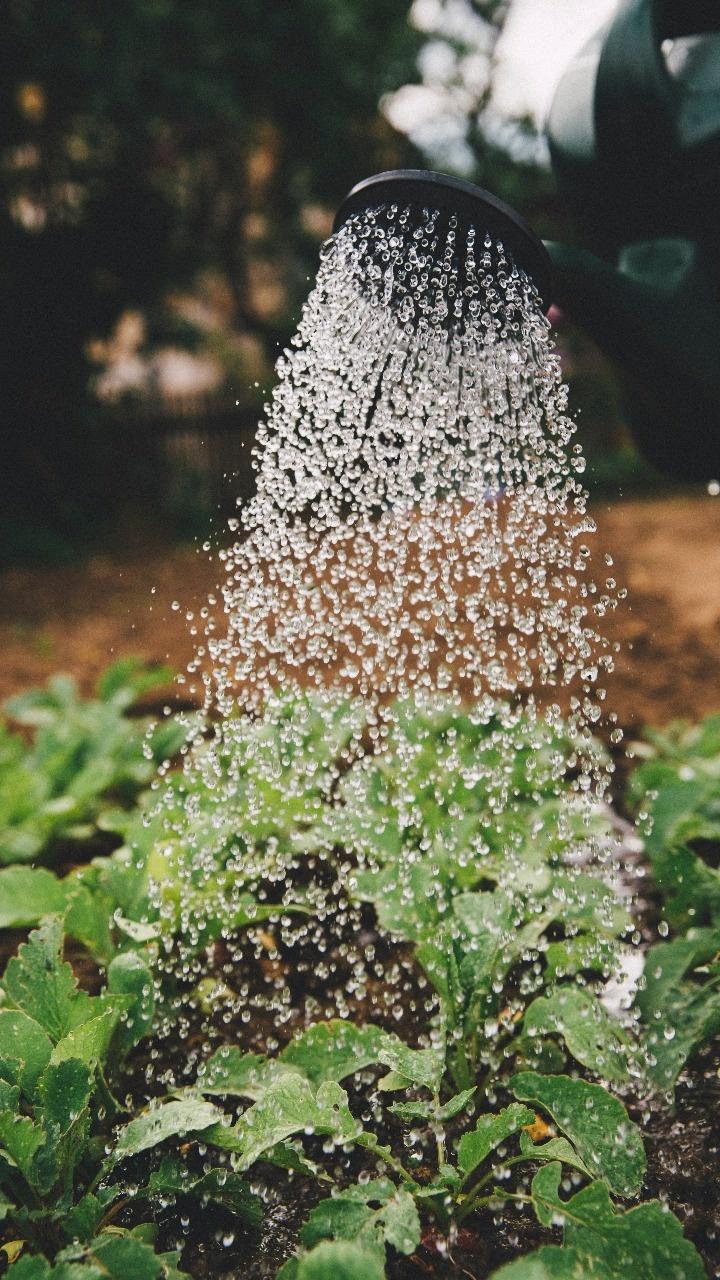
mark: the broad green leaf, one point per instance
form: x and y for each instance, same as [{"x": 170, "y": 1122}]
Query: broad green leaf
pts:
[
  {"x": 125, "y": 1258},
  {"x": 553, "y": 1262},
  {"x": 64, "y": 1091},
  {"x": 27, "y": 894},
  {"x": 489, "y": 1132},
  {"x": 290, "y": 1105},
  {"x": 596, "y": 1123},
  {"x": 82, "y": 1221},
  {"x": 591, "y": 1036},
  {"x": 24, "y": 1049},
  {"x": 164, "y": 1120},
  {"x": 129, "y": 976},
  {"x": 230, "y": 1072},
  {"x": 43, "y": 985},
  {"x": 339, "y": 1260},
  {"x": 335, "y": 1049},
  {"x": 645, "y": 1242},
  {"x": 680, "y": 1003},
  {"x": 583, "y": 952}
]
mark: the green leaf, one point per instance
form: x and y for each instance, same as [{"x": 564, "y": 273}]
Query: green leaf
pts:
[
  {"x": 220, "y": 1185},
  {"x": 43, "y": 985},
  {"x": 490, "y": 1131},
  {"x": 552, "y": 1262},
  {"x": 373, "y": 1214},
  {"x": 680, "y": 1010},
  {"x": 339, "y": 1260},
  {"x": 164, "y": 1120},
  {"x": 645, "y": 1242},
  {"x": 90, "y": 1041},
  {"x": 591, "y": 1036},
  {"x": 335, "y": 1049},
  {"x": 27, "y": 894},
  {"x": 20, "y": 1139},
  {"x": 64, "y": 1090},
  {"x": 290, "y": 1105},
  {"x": 596, "y": 1123},
  {"x": 230, "y": 1072},
  {"x": 126, "y": 1258},
  {"x": 418, "y": 1066},
  {"x": 553, "y": 1149},
  {"x": 128, "y": 975},
  {"x": 24, "y": 1049}
]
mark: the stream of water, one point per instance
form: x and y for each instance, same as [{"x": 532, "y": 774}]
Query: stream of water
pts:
[{"x": 420, "y": 534}]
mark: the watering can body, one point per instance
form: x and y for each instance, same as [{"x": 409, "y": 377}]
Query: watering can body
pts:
[{"x": 634, "y": 133}]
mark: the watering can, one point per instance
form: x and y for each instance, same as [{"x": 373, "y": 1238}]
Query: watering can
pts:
[{"x": 634, "y": 134}]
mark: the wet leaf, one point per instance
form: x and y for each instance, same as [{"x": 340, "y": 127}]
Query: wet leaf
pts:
[
  {"x": 40, "y": 983},
  {"x": 596, "y": 1123},
  {"x": 129, "y": 976},
  {"x": 24, "y": 1049},
  {"x": 335, "y": 1049},
  {"x": 644, "y": 1242},
  {"x": 680, "y": 1007},
  {"x": 591, "y": 1036},
  {"x": 290, "y": 1105},
  {"x": 164, "y": 1120},
  {"x": 489, "y": 1132}
]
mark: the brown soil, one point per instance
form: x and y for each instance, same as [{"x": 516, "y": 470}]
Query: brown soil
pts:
[{"x": 666, "y": 550}]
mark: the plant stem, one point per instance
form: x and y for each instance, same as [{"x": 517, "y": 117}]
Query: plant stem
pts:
[{"x": 370, "y": 1143}]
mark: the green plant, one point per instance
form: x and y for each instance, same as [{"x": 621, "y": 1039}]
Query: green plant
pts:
[
  {"x": 300, "y": 1093},
  {"x": 61, "y": 1181},
  {"x": 85, "y": 757},
  {"x": 676, "y": 793}
]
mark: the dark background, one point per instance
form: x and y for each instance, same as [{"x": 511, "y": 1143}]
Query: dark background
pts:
[{"x": 168, "y": 173}]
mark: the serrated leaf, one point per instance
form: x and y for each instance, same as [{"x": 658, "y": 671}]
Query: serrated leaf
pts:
[
  {"x": 596, "y": 1123},
  {"x": 20, "y": 1139},
  {"x": 125, "y": 1258},
  {"x": 232, "y": 1073},
  {"x": 489, "y": 1132},
  {"x": 373, "y": 1214},
  {"x": 25, "y": 1049},
  {"x": 591, "y": 1036},
  {"x": 419, "y": 1066},
  {"x": 164, "y": 1120},
  {"x": 644, "y": 1242},
  {"x": 43, "y": 985}
]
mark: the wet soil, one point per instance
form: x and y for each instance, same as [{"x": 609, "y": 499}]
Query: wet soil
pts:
[{"x": 666, "y": 551}]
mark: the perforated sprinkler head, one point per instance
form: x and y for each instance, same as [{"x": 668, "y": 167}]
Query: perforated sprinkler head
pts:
[{"x": 424, "y": 191}]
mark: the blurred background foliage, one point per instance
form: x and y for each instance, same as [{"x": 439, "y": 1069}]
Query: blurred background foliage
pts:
[{"x": 168, "y": 172}]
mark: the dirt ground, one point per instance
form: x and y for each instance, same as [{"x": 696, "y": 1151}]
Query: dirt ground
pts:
[{"x": 666, "y": 551}]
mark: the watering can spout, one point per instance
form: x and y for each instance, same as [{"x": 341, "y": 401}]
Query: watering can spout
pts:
[{"x": 656, "y": 316}]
